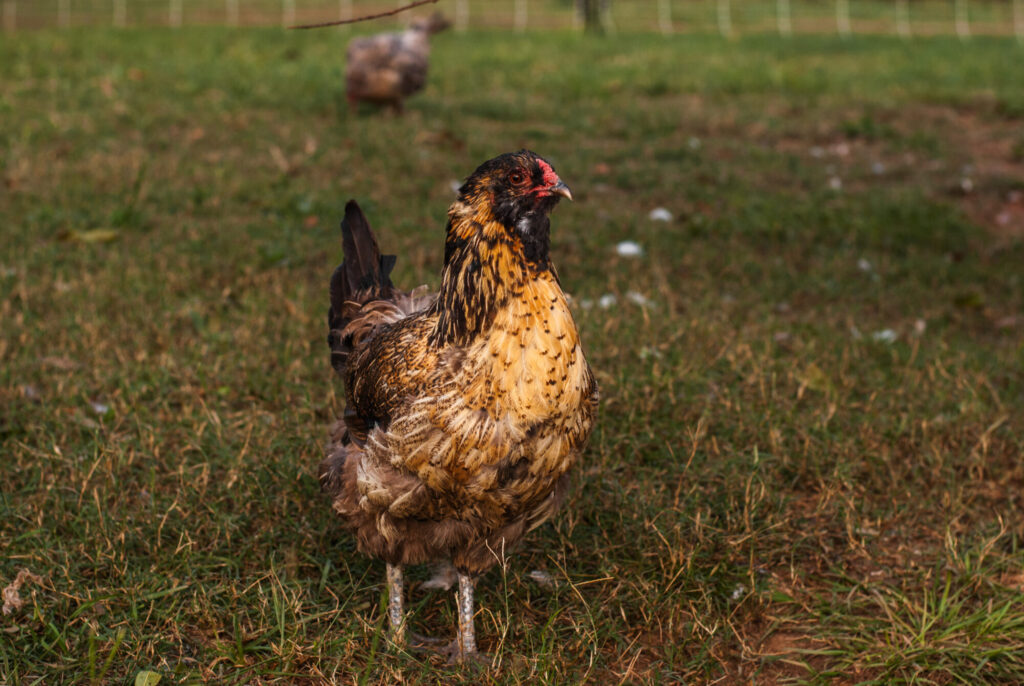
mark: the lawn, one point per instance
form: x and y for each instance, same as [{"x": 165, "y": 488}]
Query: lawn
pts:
[{"x": 808, "y": 461}]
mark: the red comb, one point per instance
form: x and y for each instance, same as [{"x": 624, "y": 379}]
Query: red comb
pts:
[{"x": 550, "y": 177}]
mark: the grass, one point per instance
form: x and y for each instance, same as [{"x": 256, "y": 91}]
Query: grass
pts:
[{"x": 808, "y": 461}]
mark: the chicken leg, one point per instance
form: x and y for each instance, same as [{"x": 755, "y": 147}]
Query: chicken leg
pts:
[
  {"x": 467, "y": 635},
  {"x": 464, "y": 646},
  {"x": 396, "y": 613}
]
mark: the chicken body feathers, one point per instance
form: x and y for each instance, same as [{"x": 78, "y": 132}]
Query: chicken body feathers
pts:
[
  {"x": 454, "y": 446},
  {"x": 389, "y": 67}
]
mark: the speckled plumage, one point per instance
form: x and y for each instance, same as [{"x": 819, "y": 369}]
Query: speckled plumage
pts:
[
  {"x": 389, "y": 67},
  {"x": 465, "y": 410}
]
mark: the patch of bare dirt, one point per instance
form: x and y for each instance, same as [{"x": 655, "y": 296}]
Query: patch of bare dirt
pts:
[
  {"x": 978, "y": 160},
  {"x": 992, "y": 188}
]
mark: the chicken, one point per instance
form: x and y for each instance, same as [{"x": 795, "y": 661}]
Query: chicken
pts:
[
  {"x": 465, "y": 410},
  {"x": 389, "y": 67}
]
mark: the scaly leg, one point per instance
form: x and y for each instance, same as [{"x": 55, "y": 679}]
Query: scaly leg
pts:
[
  {"x": 466, "y": 641},
  {"x": 463, "y": 648},
  {"x": 396, "y": 614}
]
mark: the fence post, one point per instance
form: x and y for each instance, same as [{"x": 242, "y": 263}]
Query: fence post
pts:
[
  {"x": 461, "y": 15},
  {"x": 232, "y": 12},
  {"x": 174, "y": 13},
  {"x": 843, "y": 18},
  {"x": 521, "y": 15},
  {"x": 665, "y": 17},
  {"x": 903, "y": 18},
  {"x": 784, "y": 17},
  {"x": 288, "y": 12},
  {"x": 10, "y": 16},
  {"x": 344, "y": 13},
  {"x": 724, "y": 19},
  {"x": 120, "y": 13},
  {"x": 64, "y": 14},
  {"x": 1018, "y": 20},
  {"x": 607, "y": 17},
  {"x": 963, "y": 22}
]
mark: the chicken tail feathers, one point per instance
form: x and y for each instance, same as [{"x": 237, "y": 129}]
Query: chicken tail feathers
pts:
[
  {"x": 364, "y": 268},
  {"x": 363, "y": 275}
]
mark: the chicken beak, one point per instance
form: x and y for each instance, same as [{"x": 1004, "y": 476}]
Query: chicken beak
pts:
[{"x": 562, "y": 190}]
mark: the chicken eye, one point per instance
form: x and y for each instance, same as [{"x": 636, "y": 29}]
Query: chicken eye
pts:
[{"x": 517, "y": 177}]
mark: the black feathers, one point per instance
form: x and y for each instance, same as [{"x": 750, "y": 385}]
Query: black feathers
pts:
[
  {"x": 518, "y": 187},
  {"x": 364, "y": 267},
  {"x": 535, "y": 233},
  {"x": 362, "y": 276}
]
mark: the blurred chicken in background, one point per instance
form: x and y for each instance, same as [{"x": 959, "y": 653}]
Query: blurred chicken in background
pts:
[{"x": 389, "y": 67}]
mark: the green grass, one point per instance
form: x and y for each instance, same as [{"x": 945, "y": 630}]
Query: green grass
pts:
[{"x": 777, "y": 490}]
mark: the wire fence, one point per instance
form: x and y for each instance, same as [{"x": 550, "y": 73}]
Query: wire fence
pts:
[{"x": 730, "y": 18}]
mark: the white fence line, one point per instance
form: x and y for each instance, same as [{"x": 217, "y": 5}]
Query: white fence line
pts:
[{"x": 728, "y": 19}]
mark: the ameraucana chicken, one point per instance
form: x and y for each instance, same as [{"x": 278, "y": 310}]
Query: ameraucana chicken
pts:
[
  {"x": 389, "y": 67},
  {"x": 465, "y": 410}
]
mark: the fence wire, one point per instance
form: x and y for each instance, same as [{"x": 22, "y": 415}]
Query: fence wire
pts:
[{"x": 730, "y": 18}]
